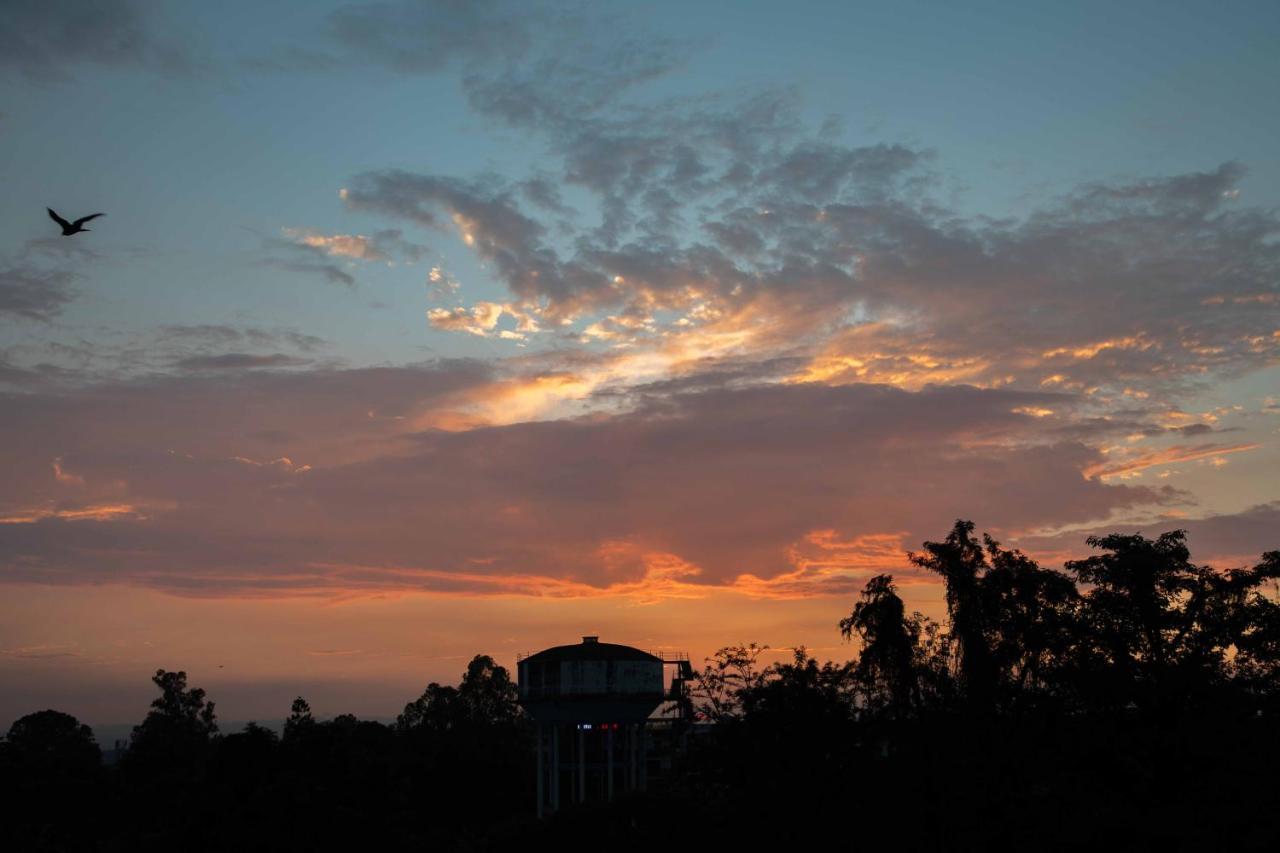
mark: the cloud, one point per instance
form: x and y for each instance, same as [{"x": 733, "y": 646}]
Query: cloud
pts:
[
  {"x": 482, "y": 320},
  {"x": 1130, "y": 463},
  {"x": 330, "y": 272},
  {"x": 46, "y": 363},
  {"x": 213, "y": 334},
  {"x": 43, "y": 40},
  {"x": 521, "y": 62},
  {"x": 787, "y": 357},
  {"x": 1237, "y": 538},
  {"x": 34, "y": 294},
  {"x": 239, "y": 361},
  {"x": 309, "y": 251},
  {"x": 479, "y": 320},
  {"x": 428, "y": 36},
  {"x": 583, "y": 63},
  {"x": 42, "y": 652},
  {"x": 414, "y": 37},
  {"x": 88, "y": 512},
  {"x": 12, "y": 375},
  {"x": 355, "y": 246},
  {"x": 1223, "y": 540},
  {"x": 837, "y": 247},
  {"x": 725, "y": 216},
  {"x": 61, "y": 248},
  {"x": 382, "y": 246},
  {"x": 674, "y": 494}
]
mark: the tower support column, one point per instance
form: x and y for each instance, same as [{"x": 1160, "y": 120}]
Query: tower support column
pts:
[
  {"x": 644, "y": 758},
  {"x": 555, "y": 768},
  {"x": 582, "y": 766},
  {"x": 631, "y": 757},
  {"x": 540, "y": 770}
]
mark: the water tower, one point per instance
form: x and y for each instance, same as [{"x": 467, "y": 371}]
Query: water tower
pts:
[{"x": 591, "y": 702}]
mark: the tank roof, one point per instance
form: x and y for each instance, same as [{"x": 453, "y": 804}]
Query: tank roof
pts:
[{"x": 591, "y": 649}]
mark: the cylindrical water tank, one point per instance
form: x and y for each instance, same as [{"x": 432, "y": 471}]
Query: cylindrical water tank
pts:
[{"x": 591, "y": 682}]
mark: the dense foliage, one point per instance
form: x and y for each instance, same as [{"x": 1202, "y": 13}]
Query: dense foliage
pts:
[
  {"x": 1130, "y": 701},
  {"x": 455, "y": 759}
]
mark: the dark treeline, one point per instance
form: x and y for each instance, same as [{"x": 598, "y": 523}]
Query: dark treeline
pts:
[
  {"x": 455, "y": 761},
  {"x": 1130, "y": 701}
]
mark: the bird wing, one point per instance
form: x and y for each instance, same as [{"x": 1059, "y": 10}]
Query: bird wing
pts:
[
  {"x": 83, "y": 219},
  {"x": 58, "y": 219}
]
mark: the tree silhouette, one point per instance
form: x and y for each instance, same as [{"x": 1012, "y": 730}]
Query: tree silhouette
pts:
[
  {"x": 51, "y": 784},
  {"x": 1129, "y": 702},
  {"x": 52, "y": 745},
  {"x": 488, "y": 694},
  {"x": 725, "y": 678},
  {"x": 1142, "y": 612},
  {"x": 176, "y": 731},
  {"x": 801, "y": 691},
  {"x": 300, "y": 722},
  {"x": 887, "y": 666},
  {"x": 1032, "y": 618},
  {"x": 961, "y": 562},
  {"x": 1165, "y": 627},
  {"x": 1257, "y": 637},
  {"x": 438, "y": 708},
  {"x": 181, "y": 707},
  {"x": 246, "y": 762}
]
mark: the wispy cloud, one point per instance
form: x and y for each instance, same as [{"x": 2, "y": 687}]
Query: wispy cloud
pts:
[
  {"x": 239, "y": 361},
  {"x": 676, "y": 492},
  {"x": 44, "y": 41},
  {"x": 334, "y": 256},
  {"x": 34, "y": 294},
  {"x": 1133, "y": 462}
]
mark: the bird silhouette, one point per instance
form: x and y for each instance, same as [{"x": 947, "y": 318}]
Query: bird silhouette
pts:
[{"x": 69, "y": 228}]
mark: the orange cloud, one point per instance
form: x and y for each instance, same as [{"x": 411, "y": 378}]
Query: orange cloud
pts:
[
  {"x": 1164, "y": 456},
  {"x": 94, "y": 512},
  {"x": 1091, "y": 350},
  {"x": 354, "y": 246},
  {"x": 823, "y": 565}
]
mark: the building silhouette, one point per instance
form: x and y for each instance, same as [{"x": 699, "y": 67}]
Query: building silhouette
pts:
[{"x": 593, "y": 707}]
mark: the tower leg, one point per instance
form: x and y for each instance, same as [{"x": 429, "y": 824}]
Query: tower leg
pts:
[
  {"x": 644, "y": 759},
  {"x": 555, "y": 768},
  {"x": 582, "y": 769},
  {"x": 631, "y": 757},
  {"x": 539, "y": 751}
]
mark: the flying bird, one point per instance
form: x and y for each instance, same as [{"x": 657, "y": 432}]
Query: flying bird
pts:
[{"x": 69, "y": 228}]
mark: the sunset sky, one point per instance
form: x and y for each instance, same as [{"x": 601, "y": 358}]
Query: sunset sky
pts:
[{"x": 416, "y": 330}]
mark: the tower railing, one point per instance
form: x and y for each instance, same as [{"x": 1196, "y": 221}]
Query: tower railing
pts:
[{"x": 664, "y": 656}]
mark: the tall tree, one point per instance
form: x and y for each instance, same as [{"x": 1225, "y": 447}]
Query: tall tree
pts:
[
  {"x": 178, "y": 727},
  {"x": 52, "y": 745},
  {"x": 300, "y": 722},
  {"x": 1257, "y": 638},
  {"x": 1164, "y": 626},
  {"x": 486, "y": 696},
  {"x": 487, "y": 692},
  {"x": 886, "y": 668},
  {"x": 1031, "y": 615},
  {"x": 961, "y": 562}
]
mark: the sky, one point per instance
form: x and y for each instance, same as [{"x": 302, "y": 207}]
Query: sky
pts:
[{"x": 417, "y": 330}]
